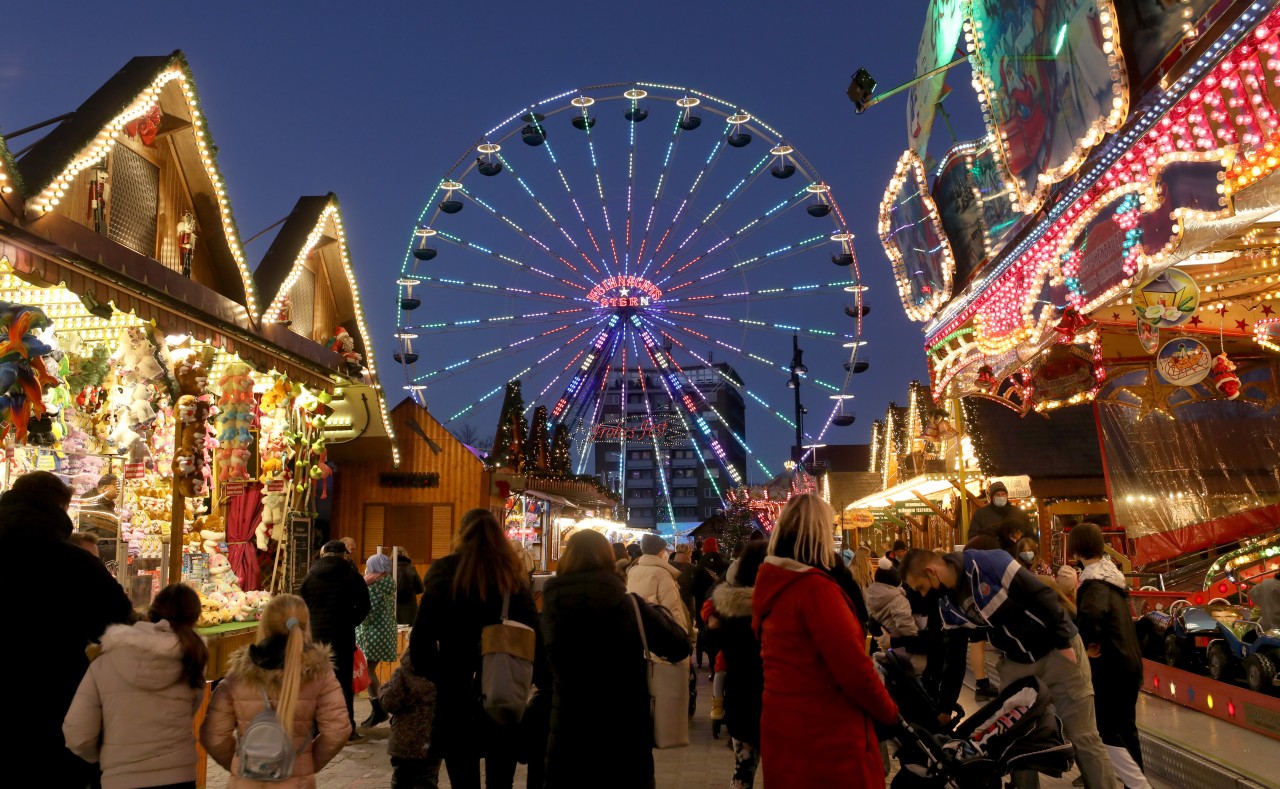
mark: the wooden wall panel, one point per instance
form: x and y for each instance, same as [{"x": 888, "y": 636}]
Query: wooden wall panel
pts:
[
  {"x": 373, "y": 528},
  {"x": 464, "y": 484},
  {"x": 443, "y": 527}
]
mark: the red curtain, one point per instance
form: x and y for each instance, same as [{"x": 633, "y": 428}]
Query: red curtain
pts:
[{"x": 244, "y": 513}]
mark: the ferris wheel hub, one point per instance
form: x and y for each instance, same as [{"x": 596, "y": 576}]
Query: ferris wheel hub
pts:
[{"x": 625, "y": 293}]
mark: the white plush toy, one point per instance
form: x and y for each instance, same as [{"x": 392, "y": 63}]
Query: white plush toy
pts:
[
  {"x": 211, "y": 540},
  {"x": 273, "y": 512}
]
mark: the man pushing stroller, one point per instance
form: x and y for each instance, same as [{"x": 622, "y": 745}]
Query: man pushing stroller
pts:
[{"x": 1020, "y": 616}]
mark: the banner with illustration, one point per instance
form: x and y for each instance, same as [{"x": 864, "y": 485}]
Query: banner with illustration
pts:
[
  {"x": 1154, "y": 32},
  {"x": 938, "y": 46},
  {"x": 1052, "y": 83},
  {"x": 974, "y": 205}
]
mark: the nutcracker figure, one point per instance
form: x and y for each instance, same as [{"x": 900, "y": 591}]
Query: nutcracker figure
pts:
[
  {"x": 187, "y": 241},
  {"x": 98, "y": 198}
]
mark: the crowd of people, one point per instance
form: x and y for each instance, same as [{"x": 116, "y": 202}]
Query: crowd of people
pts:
[{"x": 786, "y": 629}]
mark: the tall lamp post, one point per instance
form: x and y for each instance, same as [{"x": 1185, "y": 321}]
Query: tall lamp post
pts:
[{"x": 797, "y": 369}]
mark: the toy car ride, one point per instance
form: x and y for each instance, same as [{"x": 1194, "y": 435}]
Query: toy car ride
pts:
[
  {"x": 1244, "y": 648},
  {"x": 1190, "y": 630}
]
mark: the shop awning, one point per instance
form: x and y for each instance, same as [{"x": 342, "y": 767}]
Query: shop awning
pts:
[
  {"x": 139, "y": 285},
  {"x": 926, "y": 485}
]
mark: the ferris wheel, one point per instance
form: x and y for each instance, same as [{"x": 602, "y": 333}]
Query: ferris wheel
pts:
[{"x": 642, "y": 237}]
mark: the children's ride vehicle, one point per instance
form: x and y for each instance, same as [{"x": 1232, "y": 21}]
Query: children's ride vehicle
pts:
[
  {"x": 1244, "y": 648},
  {"x": 1188, "y": 630}
]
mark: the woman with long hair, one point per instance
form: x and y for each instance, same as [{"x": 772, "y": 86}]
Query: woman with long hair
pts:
[
  {"x": 822, "y": 693},
  {"x": 860, "y": 566},
  {"x": 288, "y": 671},
  {"x": 376, "y": 635},
  {"x": 464, "y": 594},
  {"x": 133, "y": 711},
  {"x": 408, "y": 587},
  {"x": 601, "y": 730}
]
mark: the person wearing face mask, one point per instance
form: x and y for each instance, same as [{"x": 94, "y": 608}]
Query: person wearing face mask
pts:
[
  {"x": 990, "y": 518},
  {"x": 988, "y": 592}
]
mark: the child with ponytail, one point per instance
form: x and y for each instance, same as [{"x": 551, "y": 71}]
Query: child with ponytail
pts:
[
  {"x": 133, "y": 711},
  {"x": 298, "y": 679}
]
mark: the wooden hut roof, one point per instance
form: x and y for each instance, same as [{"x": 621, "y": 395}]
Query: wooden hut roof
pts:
[
  {"x": 314, "y": 226},
  {"x": 86, "y": 137}
]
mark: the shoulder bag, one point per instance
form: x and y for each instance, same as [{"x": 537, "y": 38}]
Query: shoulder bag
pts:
[{"x": 668, "y": 693}]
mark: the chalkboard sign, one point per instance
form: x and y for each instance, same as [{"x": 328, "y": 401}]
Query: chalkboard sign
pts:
[{"x": 298, "y": 558}]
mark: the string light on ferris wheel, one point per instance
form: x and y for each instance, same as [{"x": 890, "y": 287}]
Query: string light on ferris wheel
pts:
[{"x": 627, "y": 302}]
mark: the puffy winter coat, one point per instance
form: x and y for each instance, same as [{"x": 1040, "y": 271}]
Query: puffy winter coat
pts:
[
  {"x": 744, "y": 674},
  {"x": 1102, "y": 615},
  {"x": 133, "y": 711},
  {"x": 411, "y": 700},
  {"x": 338, "y": 599},
  {"x": 889, "y": 606},
  {"x": 64, "y": 613},
  {"x": 655, "y": 581},
  {"x": 601, "y": 732},
  {"x": 445, "y": 648},
  {"x": 320, "y": 708},
  {"x": 821, "y": 692}
]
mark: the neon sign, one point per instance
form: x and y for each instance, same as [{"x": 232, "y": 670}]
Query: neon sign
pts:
[{"x": 625, "y": 291}]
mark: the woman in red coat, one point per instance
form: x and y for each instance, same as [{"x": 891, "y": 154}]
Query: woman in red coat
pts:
[{"x": 822, "y": 695}]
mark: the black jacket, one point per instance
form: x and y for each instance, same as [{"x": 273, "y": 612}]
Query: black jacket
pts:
[
  {"x": 338, "y": 599},
  {"x": 408, "y": 587},
  {"x": 601, "y": 732},
  {"x": 1102, "y": 615},
  {"x": 744, "y": 672},
  {"x": 711, "y": 570},
  {"x": 987, "y": 520},
  {"x": 444, "y": 646},
  {"x": 66, "y": 600}
]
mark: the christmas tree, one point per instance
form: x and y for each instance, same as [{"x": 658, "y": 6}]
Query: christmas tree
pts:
[
  {"x": 509, "y": 439},
  {"x": 538, "y": 448},
  {"x": 560, "y": 461}
]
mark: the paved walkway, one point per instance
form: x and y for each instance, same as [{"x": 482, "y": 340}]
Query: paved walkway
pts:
[{"x": 706, "y": 763}]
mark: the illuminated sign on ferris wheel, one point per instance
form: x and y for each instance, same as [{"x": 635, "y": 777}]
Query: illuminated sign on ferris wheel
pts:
[{"x": 625, "y": 291}]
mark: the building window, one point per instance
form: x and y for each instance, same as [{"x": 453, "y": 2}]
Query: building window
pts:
[
  {"x": 135, "y": 201},
  {"x": 611, "y": 399},
  {"x": 302, "y": 300}
]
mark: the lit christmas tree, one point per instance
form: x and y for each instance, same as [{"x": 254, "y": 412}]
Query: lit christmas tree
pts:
[
  {"x": 538, "y": 448},
  {"x": 560, "y": 460},
  {"x": 509, "y": 438}
]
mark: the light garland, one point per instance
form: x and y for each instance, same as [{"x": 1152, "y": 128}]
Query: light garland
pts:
[
  {"x": 51, "y": 194},
  {"x": 10, "y": 177},
  {"x": 910, "y": 173},
  {"x": 1262, "y": 333},
  {"x": 1029, "y": 198},
  {"x": 1116, "y": 158}
]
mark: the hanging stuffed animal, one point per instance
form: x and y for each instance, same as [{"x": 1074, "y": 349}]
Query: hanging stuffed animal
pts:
[{"x": 1224, "y": 376}]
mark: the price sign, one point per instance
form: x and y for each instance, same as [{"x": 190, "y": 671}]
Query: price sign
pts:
[
  {"x": 232, "y": 489},
  {"x": 275, "y": 486},
  {"x": 135, "y": 470},
  {"x": 46, "y": 462}
]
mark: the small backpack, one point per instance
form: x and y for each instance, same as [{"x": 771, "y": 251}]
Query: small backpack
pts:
[
  {"x": 265, "y": 750},
  {"x": 506, "y": 668}
]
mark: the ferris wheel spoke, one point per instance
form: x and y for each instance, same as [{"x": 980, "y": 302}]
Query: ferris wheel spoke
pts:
[
  {"x": 515, "y": 227},
  {"x": 761, "y": 294},
  {"x": 524, "y": 294},
  {"x": 555, "y": 316},
  {"x": 756, "y": 358},
  {"x": 726, "y": 243},
  {"x": 448, "y": 371},
  {"x": 555, "y": 221},
  {"x": 766, "y": 405},
  {"x": 602, "y": 348},
  {"x": 659, "y": 188},
  {"x": 604, "y": 206},
  {"x": 653, "y": 436},
  {"x": 590, "y": 394},
  {"x": 737, "y": 190},
  {"x": 507, "y": 260},
  {"x": 755, "y": 325},
  {"x": 750, "y": 264},
  {"x": 695, "y": 188},
  {"x": 518, "y": 375}
]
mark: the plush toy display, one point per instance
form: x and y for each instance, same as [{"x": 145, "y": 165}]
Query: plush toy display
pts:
[{"x": 234, "y": 423}]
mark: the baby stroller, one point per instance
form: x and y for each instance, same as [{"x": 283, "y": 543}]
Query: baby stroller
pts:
[{"x": 1017, "y": 730}]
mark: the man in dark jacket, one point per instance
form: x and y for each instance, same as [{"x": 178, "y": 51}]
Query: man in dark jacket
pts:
[
  {"x": 991, "y": 592},
  {"x": 711, "y": 567},
  {"x": 338, "y": 600},
  {"x": 1115, "y": 659},
  {"x": 988, "y": 519},
  {"x": 65, "y": 617}
]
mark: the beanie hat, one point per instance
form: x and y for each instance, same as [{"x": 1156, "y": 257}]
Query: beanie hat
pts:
[
  {"x": 710, "y": 545},
  {"x": 652, "y": 544},
  {"x": 888, "y": 575},
  {"x": 899, "y": 545},
  {"x": 884, "y": 563}
]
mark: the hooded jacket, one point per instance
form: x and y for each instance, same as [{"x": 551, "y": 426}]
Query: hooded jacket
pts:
[
  {"x": 1102, "y": 615},
  {"x": 888, "y": 605},
  {"x": 821, "y": 692},
  {"x": 740, "y": 650},
  {"x": 1021, "y": 614},
  {"x": 133, "y": 711},
  {"x": 63, "y": 620},
  {"x": 338, "y": 599},
  {"x": 321, "y": 710},
  {"x": 411, "y": 700},
  {"x": 988, "y": 518},
  {"x": 656, "y": 581},
  {"x": 1266, "y": 596}
]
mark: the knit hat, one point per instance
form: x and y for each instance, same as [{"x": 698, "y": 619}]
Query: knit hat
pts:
[
  {"x": 652, "y": 544},
  {"x": 378, "y": 563},
  {"x": 888, "y": 575},
  {"x": 899, "y": 545},
  {"x": 710, "y": 545},
  {"x": 334, "y": 546},
  {"x": 997, "y": 486},
  {"x": 884, "y": 563}
]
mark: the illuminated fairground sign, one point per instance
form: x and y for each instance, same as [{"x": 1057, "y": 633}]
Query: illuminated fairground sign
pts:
[
  {"x": 625, "y": 291},
  {"x": 659, "y": 428}
]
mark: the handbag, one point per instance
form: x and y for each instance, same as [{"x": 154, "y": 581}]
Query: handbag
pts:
[
  {"x": 506, "y": 667},
  {"x": 668, "y": 693},
  {"x": 359, "y": 673}
]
